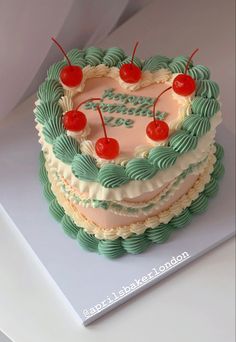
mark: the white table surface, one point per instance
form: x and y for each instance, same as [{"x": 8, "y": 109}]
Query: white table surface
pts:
[{"x": 196, "y": 303}]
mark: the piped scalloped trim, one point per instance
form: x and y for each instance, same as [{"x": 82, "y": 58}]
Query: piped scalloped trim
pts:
[{"x": 135, "y": 243}]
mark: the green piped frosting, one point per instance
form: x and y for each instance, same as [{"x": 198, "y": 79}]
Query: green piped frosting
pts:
[
  {"x": 94, "y": 56},
  {"x": 69, "y": 227},
  {"x": 155, "y": 63},
  {"x": 56, "y": 210},
  {"x": 113, "y": 56},
  {"x": 140, "y": 169},
  {"x": 55, "y": 69},
  {"x": 137, "y": 243},
  {"x": 84, "y": 167},
  {"x": 219, "y": 151},
  {"x": 178, "y": 64},
  {"x": 77, "y": 57},
  {"x": 162, "y": 157},
  {"x": 53, "y": 128},
  {"x": 87, "y": 241},
  {"x": 161, "y": 234},
  {"x": 46, "y": 110},
  {"x": 111, "y": 249},
  {"x": 205, "y": 107},
  {"x": 65, "y": 148},
  {"x": 208, "y": 89},
  {"x": 182, "y": 142},
  {"x": 50, "y": 90},
  {"x": 196, "y": 125},
  {"x": 199, "y": 205},
  {"x": 199, "y": 72},
  {"x": 181, "y": 220},
  {"x": 47, "y": 191},
  {"x": 112, "y": 176}
]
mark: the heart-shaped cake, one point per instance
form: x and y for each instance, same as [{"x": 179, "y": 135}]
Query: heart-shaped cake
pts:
[{"x": 128, "y": 146}]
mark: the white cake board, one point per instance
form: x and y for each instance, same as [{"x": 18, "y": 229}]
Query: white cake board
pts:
[{"x": 88, "y": 279}]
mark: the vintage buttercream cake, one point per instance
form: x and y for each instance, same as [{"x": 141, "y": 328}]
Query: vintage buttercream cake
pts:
[{"x": 128, "y": 146}]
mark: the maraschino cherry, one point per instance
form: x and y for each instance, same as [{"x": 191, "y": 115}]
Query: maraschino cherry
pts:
[
  {"x": 184, "y": 84},
  {"x": 131, "y": 73},
  {"x": 70, "y": 75},
  {"x": 75, "y": 120},
  {"x": 106, "y": 148},
  {"x": 157, "y": 130}
]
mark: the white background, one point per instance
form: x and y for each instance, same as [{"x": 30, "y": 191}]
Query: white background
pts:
[{"x": 195, "y": 304}]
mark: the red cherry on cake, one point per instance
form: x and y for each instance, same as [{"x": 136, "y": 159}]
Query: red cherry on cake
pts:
[
  {"x": 157, "y": 130},
  {"x": 75, "y": 120},
  {"x": 70, "y": 75},
  {"x": 106, "y": 148},
  {"x": 131, "y": 73},
  {"x": 184, "y": 84}
]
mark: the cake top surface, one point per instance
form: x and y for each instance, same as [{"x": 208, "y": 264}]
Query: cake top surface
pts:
[{"x": 127, "y": 109}]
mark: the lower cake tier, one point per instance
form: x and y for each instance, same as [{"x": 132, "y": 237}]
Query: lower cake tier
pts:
[{"x": 113, "y": 229}]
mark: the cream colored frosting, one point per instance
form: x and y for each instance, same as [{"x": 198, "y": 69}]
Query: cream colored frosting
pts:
[{"x": 137, "y": 227}]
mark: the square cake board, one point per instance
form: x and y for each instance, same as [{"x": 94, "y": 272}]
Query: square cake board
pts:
[{"x": 93, "y": 284}]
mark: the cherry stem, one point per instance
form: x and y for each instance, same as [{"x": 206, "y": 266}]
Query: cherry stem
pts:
[
  {"x": 155, "y": 102},
  {"x": 62, "y": 50},
  {"x": 103, "y": 123},
  {"x": 88, "y": 100},
  {"x": 134, "y": 51},
  {"x": 189, "y": 60}
]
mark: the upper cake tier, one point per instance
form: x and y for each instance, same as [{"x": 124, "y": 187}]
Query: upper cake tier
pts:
[{"x": 143, "y": 164}]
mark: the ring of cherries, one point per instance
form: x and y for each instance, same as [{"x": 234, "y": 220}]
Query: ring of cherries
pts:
[{"x": 157, "y": 130}]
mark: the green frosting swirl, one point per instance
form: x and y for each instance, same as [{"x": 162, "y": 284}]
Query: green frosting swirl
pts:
[
  {"x": 159, "y": 234},
  {"x": 94, "y": 56},
  {"x": 208, "y": 89},
  {"x": 128, "y": 59},
  {"x": 178, "y": 64},
  {"x": 136, "y": 244},
  {"x": 69, "y": 227},
  {"x": 182, "y": 142},
  {"x": 199, "y": 205},
  {"x": 55, "y": 69},
  {"x": 87, "y": 241},
  {"x": 219, "y": 170},
  {"x": 112, "y": 176},
  {"x": 65, "y": 148},
  {"x": 47, "y": 191},
  {"x": 113, "y": 56},
  {"x": 181, "y": 220},
  {"x": 155, "y": 63},
  {"x": 111, "y": 248},
  {"x": 84, "y": 167},
  {"x": 211, "y": 188},
  {"x": 77, "y": 57},
  {"x": 162, "y": 157},
  {"x": 205, "y": 107},
  {"x": 196, "y": 125},
  {"x": 50, "y": 90},
  {"x": 140, "y": 169},
  {"x": 43, "y": 175},
  {"x": 219, "y": 151},
  {"x": 199, "y": 72},
  {"x": 53, "y": 128},
  {"x": 45, "y": 110},
  {"x": 56, "y": 210}
]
